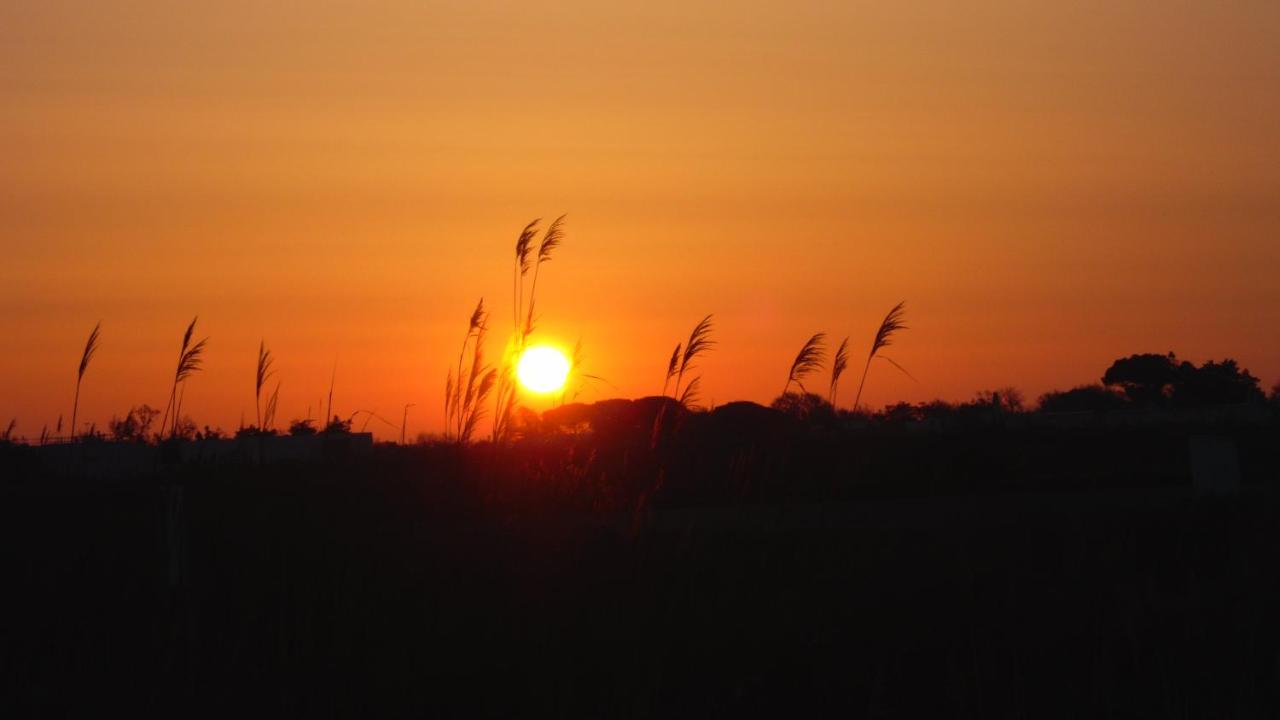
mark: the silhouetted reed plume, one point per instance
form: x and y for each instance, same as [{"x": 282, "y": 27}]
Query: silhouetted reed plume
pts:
[
  {"x": 191, "y": 363},
  {"x": 480, "y": 381},
  {"x": 453, "y": 383},
  {"x": 264, "y": 372},
  {"x": 269, "y": 414},
  {"x": 699, "y": 342},
  {"x": 672, "y": 365},
  {"x": 90, "y": 348},
  {"x": 891, "y": 325},
  {"x": 838, "y": 365},
  {"x": 504, "y": 404},
  {"x": 526, "y": 259},
  {"x": 468, "y": 390},
  {"x": 691, "y": 393},
  {"x": 190, "y": 359},
  {"x": 551, "y": 240},
  {"x": 808, "y": 361},
  {"x": 524, "y": 248}
]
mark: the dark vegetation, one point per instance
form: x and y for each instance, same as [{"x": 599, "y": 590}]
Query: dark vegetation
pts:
[
  {"x": 751, "y": 563},
  {"x": 958, "y": 560}
]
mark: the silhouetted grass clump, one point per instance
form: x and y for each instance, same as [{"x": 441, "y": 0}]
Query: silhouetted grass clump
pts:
[{"x": 135, "y": 427}]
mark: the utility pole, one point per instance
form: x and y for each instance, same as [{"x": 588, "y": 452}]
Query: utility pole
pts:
[{"x": 404, "y": 421}]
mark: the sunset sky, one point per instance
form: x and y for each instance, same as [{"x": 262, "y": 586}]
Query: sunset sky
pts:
[{"x": 1049, "y": 185}]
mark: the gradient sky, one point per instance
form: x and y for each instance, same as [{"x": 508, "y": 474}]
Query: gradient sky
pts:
[{"x": 1049, "y": 185}]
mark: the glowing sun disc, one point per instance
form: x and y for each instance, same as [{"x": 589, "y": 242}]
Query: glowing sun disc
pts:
[{"x": 542, "y": 369}]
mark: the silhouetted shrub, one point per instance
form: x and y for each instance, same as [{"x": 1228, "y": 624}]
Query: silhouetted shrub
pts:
[
  {"x": 136, "y": 425},
  {"x": 184, "y": 429},
  {"x": 805, "y": 407},
  {"x": 255, "y": 431},
  {"x": 905, "y": 412},
  {"x": 935, "y": 410},
  {"x": 1085, "y": 398},
  {"x": 302, "y": 427},
  {"x": 338, "y": 425},
  {"x": 1005, "y": 400}
]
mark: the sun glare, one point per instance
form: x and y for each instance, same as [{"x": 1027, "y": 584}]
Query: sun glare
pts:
[{"x": 542, "y": 369}]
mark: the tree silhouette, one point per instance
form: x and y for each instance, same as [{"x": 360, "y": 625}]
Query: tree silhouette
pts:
[
  {"x": 1151, "y": 380},
  {"x": 1215, "y": 383},
  {"x": 1145, "y": 379}
]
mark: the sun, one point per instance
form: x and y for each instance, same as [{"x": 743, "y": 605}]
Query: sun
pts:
[{"x": 542, "y": 369}]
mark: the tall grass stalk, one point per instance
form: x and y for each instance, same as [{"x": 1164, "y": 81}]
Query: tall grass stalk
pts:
[
  {"x": 190, "y": 359},
  {"x": 453, "y": 384},
  {"x": 672, "y": 366},
  {"x": 173, "y": 391},
  {"x": 551, "y": 240},
  {"x": 692, "y": 391},
  {"x": 838, "y": 365},
  {"x": 264, "y": 372},
  {"x": 889, "y": 327},
  {"x": 269, "y": 415},
  {"x": 333, "y": 379},
  {"x": 520, "y": 268},
  {"x": 526, "y": 259},
  {"x": 682, "y": 362},
  {"x": 191, "y": 363},
  {"x": 505, "y": 396},
  {"x": 808, "y": 361},
  {"x": 90, "y": 348},
  {"x": 699, "y": 343},
  {"x": 471, "y": 396}
]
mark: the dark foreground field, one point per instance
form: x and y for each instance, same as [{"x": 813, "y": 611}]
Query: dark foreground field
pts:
[{"x": 431, "y": 581}]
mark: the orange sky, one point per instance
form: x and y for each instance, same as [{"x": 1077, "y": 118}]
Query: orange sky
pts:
[{"x": 1049, "y": 185}]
